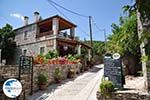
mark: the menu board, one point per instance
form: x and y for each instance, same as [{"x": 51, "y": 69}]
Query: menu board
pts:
[
  {"x": 26, "y": 64},
  {"x": 113, "y": 71}
]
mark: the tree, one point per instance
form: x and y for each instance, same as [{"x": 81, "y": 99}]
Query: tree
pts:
[
  {"x": 98, "y": 51},
  {"x": 7, "y": 43},
  {"x": 98, "y": 47},
  {"x": 142, "y": 9},
  {"x": 124, "y": 39}
]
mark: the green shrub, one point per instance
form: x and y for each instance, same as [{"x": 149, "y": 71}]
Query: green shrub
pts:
[
  {"x": 51, "y": 54},
  {"x": 77, "y": 56},
  {"x": 71, "y": 73},
  {"x": 71, "y": 57},
  {"x": 106, "y": 87},
  {"x": 42, "y": 79},
  {"x": 57, "y": 73}
]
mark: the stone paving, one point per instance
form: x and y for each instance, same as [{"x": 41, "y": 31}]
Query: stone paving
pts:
[{"x": 83, "y": 87}]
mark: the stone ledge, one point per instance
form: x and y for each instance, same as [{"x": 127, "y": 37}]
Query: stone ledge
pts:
[
  {"x": 124, "y": 96},
  {"x": 11, "y": 71}
]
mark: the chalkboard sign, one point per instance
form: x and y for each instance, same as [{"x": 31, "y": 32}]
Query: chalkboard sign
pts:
[
  {"x": 113, "y": 70},
  {"x": 26, "y": 67},
  {"x": 26, "y": 64}
]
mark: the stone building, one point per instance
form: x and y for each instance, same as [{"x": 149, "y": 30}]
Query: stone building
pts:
[{"x": 52, "y": 34}]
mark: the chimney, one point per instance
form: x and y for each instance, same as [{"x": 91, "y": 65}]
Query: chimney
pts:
[
  {"x": 37, "y": 17},
  {"x": 26, "y": 18}
]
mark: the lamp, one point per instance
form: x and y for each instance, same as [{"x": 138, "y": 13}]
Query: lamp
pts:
[{"x": 65, "y": 48}]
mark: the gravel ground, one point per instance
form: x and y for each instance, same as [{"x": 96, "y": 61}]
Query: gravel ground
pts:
[{"x": 134, "y": 84}]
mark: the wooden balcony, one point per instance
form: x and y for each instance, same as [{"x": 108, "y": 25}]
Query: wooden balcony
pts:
[
  {"x": 61, "y": 35},
  {"x": 64, "y": 35},
  {"x": 44, "y": 33}
]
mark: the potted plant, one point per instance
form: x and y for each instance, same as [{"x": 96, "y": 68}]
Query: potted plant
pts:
[
  {"x": 71, "y": 73},
  {"x": 49, "y": 62},
  {"x": 42, "y": 81},
  {"x": 106, "y": 88},
  {"x": 39, "y": 59},
  {"x": 57, "y": 75}
]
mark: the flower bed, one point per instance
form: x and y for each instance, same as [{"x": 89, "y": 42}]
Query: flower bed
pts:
[{"x": 53, "y": 58}]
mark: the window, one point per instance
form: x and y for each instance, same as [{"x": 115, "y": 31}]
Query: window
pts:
[
  {"x": 24, "y": 52},
  {"x": 42, "y": 50},
  {"x": 25, "y": 35}
]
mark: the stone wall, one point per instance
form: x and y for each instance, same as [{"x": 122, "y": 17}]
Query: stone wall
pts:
[
  {"x": 31, "y": 34},
  {"x": 32, "y": 44},
  {"x": 12, "y": 72},
  {"x": 124, "y": 96},
  {"x": 148, "y": 80}
]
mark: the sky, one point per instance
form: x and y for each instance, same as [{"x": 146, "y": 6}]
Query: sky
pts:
[{"x": 104, "y": 13}]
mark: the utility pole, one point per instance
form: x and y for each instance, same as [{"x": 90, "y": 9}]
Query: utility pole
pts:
[
  {"x": 105, "y": 35},
  {"x": 105, "y": 39},
  {"x": 91, "y": 39}
]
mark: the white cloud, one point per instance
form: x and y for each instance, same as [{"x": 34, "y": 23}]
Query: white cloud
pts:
[{"x": 17, "y": 15}]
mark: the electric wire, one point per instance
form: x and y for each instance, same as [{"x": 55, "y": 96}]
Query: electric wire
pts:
[
  {"x": 68, "y": 9},
  {"x": 65, "y": 15},
  {"x": 95, "y": 24},
  {"x": 59, "y": 11}
]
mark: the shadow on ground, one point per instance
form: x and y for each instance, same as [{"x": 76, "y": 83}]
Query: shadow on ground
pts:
[{"x": 95, "y": 69}]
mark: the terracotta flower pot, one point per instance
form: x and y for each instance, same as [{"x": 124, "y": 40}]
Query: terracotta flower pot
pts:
[
  {"x": 53, "y": 61},
  {"x": 42, "y": 86},
  {"x": 57, "y": 61},
  {"x": 69, "y": 62},
  {"x": 57, "y": 80},
  {"x": 49, "y": 62},
  {"x": 35, "y": 62},
  {"x": 70, "y": 74}
]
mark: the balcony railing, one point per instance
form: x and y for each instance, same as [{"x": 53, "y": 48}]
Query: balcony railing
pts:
[
  {"x": 48, "y": 34},
  {"x": 45, "y": 33},
  {"x": 64, "y": 35}
]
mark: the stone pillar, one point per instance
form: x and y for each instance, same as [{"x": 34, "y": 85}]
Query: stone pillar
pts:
[
  {"x": 55, "y": 26},
  {"x": 79, "y": 49},
  {"x": 55, "y": 45},
  {"x": 89, "y": 54},
  {"x": 72, "y": 32}
]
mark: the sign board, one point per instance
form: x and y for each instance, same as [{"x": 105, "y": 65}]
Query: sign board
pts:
[
  {"x": 113, "y": 71},
  {"x": 116, "y": 56},
  {"x": 26, "y": 64},
  {"x": 26, "y": 67}
]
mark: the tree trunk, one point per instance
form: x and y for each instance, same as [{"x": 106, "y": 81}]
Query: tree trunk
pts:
[{"x": 142, "y": 49}]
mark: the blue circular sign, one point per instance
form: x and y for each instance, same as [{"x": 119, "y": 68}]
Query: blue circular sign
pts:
[{"x": 12, "y": 88}]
